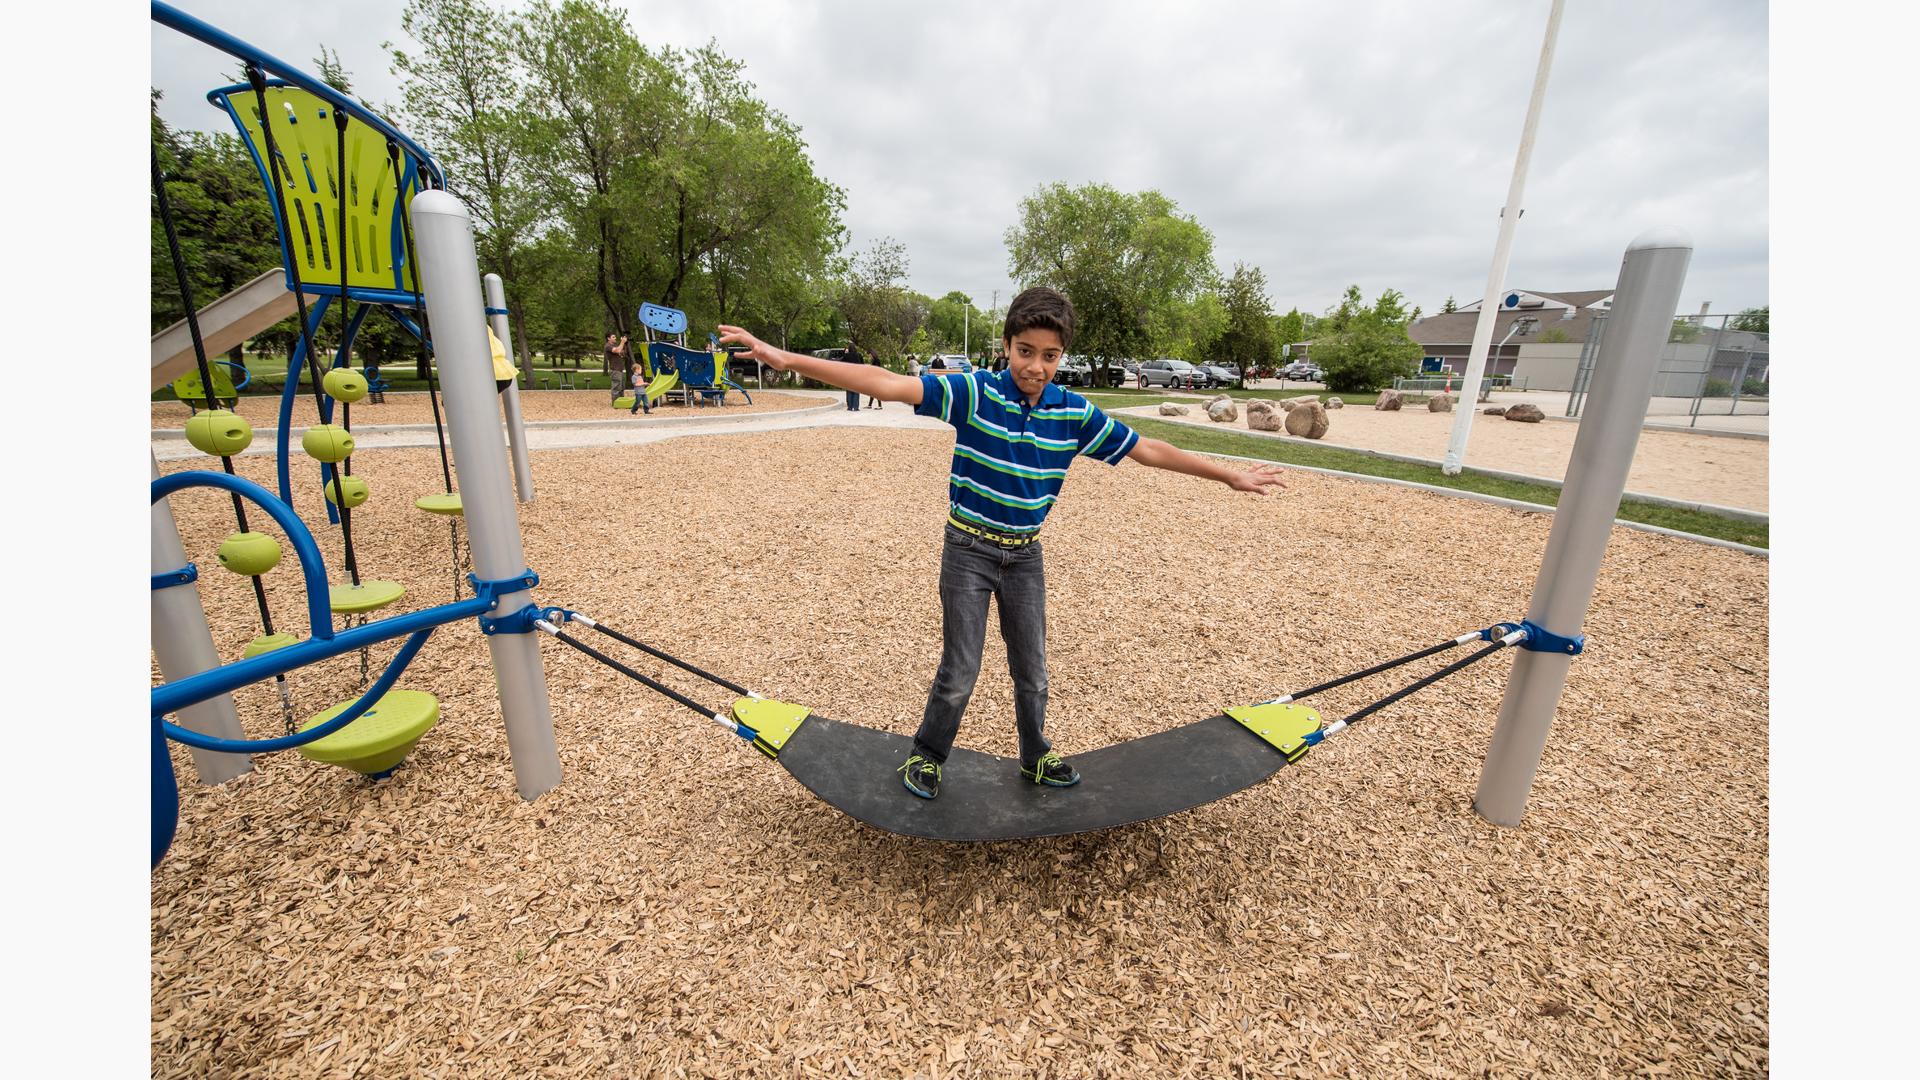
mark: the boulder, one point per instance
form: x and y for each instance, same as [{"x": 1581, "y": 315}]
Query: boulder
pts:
[
  {"x": 1335, "y": 403},
  {"x": 1221, "y": 411},
  {"x": 1289, "y": 404},
  {"x": 1440, "y": 403},
  {"x": 1262, "y": 416},
  {"x": 1497, "y": 410},
  {"x": 1308, "y": 420},
  {"x": 1389, "y": 401},
  {"x": 1525, "y": 413},
  {"x": 1168, "y": 408}
]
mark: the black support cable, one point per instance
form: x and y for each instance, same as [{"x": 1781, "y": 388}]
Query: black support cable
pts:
[
  {"x": 1411, "y": 688},
  {"x": 200, "y": 358},
  {"x": 1375, "y": 670},
  {"x": 413, "y": 267},
  {"x": 634, "y": 675},
  {"x": 257, "y": 79},
  {"x": 345, "y": 468},
  {"x": 675, "y": 661}
]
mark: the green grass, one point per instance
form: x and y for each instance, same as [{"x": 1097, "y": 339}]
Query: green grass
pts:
[{"x": 1189, "y": 437}]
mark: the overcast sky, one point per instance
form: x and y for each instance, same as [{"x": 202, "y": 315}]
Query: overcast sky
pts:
[{"x": 1366, "y": 143}]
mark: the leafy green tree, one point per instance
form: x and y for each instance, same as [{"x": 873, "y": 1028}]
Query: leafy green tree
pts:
[
  {"x": 1293, "y": 328},
  {"x": 1363, "y": 347},
  {"x": 1190, "y": 328},
  {"x": 461, "y": 98},
  {"x": 1132, "y": 264},
  {"x": 1247, "y": 340},
  {"x": 221, "y": 216},
  {"x": 1449, "y": 307},
  {"x": 1752, "y": 320},
  {"x": 1554, "y": 335},
  {"x": 1684, "y": 332},
  {"x": 880, "y": 312},
  {"x": 953, "y": 323}
]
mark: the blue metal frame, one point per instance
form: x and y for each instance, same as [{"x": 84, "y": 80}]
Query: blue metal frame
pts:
[
  {"x": 172, "y": 17},
  {"x": 296, "y": 366},
  {"x": 186, "y": 575},
  {"x": 287, "y": 742},
  {"x": 1540, "y": 639}
]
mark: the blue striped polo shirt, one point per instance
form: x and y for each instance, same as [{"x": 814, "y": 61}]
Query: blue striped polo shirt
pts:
[{"x": 1009, "y": 457}]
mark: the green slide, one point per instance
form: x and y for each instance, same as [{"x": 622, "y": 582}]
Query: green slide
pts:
[{"x": 662, "y": 383}]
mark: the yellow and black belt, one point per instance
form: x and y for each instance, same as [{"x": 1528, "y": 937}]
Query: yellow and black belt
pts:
[{"x": 989, "y": 535}]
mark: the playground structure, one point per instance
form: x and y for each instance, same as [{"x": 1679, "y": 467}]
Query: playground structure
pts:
[
  {"x": 430, "y": 269},
  {"x": 689, "y": 374}
]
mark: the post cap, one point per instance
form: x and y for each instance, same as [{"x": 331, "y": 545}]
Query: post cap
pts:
[{"x": 1657, "y": 238}]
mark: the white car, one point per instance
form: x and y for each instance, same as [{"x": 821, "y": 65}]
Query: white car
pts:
[{"x": 948, "y": 362}]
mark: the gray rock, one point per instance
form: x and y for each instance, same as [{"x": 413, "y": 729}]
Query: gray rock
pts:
[
  {"x": 1289, "y": 404},
  {"x": 1221, "y": 411},
  {"x": 1308, "y": 420},
  {"x": 1262, "y": 416},
  {"x": 1525, "y": 413},
  {"x": 1389, "y": 401},
  {"x": 1497, "y": 410},
  {"x": 1168, "y": 408},
  {"x": 1335, "y": 403},
  {"x": 1440, "y": 403}
]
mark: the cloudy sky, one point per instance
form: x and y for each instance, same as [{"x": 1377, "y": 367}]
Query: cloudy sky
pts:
[{"x": 1366, "y": 143}]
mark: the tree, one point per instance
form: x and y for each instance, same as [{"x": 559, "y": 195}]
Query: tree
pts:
[
  {"x": 462, "y": 96},
  {"x": 881, "y": 313},
  {"x": 1753, "y": 320},
  {"x": 954, "y": 324},
  {"x": 221, "y": 217},
  {"x": 1449, "y": 307},
  {"x": 1363, "y": 347},
  {"x": 1684, "y": 331},
  {"x": 1291, "y": 329},
  {"x": 1132, "y": 264},
  {"x": 1247, "y": 339}
]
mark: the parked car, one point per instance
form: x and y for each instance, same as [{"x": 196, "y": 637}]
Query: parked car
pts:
[
  {"x": 1217, "y": 375},
  {"x": 1116, "y": 373},
  {"x": 1303, "y": 370},
  {"x": 949, "y": 363},
  {"x": 1073, "y": 371},
  {"x": 1168, "y": 372}
]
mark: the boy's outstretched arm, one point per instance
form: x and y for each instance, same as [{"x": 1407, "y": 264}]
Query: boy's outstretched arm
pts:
[
  {"x": 1164, "y": 455},
  {"x": 876, "y": 382}
]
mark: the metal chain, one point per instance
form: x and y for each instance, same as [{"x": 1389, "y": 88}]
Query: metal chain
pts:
[
  {"x": 359, "y": 620},
  {"x": 286, "y": 704}
]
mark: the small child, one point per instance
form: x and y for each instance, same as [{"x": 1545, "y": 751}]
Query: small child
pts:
[{"x": 639, "y": 379}]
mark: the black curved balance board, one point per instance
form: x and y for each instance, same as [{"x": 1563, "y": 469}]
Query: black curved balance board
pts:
[{"x": 854, "y": 769}]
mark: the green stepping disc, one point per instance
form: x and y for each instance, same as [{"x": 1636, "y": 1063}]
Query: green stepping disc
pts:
[
  {"x": 623, "y": 402},
  {"x": 367, "y": 596},
  {"x": 448, "y": 504},
  {"x": 266, "y": 643},
  {"x": 380, "y": 738}
]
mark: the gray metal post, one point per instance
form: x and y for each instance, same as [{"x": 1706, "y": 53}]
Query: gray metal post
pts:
[
  {"x": 450, "y": 276},
  {"x": 510, "y": 398},
  {"x": 183, "y": 644},
  {"x": 1644, "y": 302},
  {"x": 1713, "y": 358}
]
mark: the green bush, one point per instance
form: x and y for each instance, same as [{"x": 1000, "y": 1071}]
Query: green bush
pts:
[
  {"x": 1753, "y": 387},
  {"x": 1718, "y": 388}
]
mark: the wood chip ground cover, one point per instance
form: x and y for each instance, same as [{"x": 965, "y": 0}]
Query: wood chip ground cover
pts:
[{"x": 678, "y": 906}]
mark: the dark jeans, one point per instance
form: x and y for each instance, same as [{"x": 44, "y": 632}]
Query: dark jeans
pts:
[
  {"x": 971, "y": 570},
  {"x": 853, "y": 400}
]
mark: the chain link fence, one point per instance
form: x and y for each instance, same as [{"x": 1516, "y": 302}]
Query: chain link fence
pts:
[{"x": 1707, "y": 369}]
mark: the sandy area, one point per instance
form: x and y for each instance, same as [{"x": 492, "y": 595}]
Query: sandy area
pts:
[
  {"x": 1712, "y": 469},
  {"x": 678, "y": 906},
  {"x": 413, "y": 408}
]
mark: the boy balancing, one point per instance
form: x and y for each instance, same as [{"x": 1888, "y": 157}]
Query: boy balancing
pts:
[{"x": 1016, "y": 434}]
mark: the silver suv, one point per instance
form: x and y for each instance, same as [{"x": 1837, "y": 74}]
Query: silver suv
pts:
[{"x": 1169, "y": 372}]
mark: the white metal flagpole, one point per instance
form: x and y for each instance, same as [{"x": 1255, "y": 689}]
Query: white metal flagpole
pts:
[{"x": 1502, "y": 248}]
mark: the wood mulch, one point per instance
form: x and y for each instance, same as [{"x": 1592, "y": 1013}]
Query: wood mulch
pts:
[
  {"x": 679, "y": 907},
  {"x": 414, "y": 408}
]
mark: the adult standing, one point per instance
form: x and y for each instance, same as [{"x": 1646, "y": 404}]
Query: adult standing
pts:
[
  {"x": 874, "y": 402},
  {"x": 851, "y": 355},
  {"x": 616, "y": 366}
]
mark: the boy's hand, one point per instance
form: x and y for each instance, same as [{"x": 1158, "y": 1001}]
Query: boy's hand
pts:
[
  {"x": 759, "y": 350},
  {"x": 1257, "y": 479}
]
